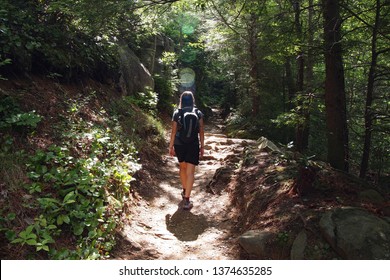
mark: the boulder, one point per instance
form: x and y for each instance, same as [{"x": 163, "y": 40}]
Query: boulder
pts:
[
  {"x": 299, "y": 246},
  {"x": 255, "y": 242},
  {"x": 356, "y": 234},
  {"x": 134, "y": 75},
  {"x": 371, "y": 196},
  {"x": 153, "y": 50},
  {"x": 265, "y": 144}
]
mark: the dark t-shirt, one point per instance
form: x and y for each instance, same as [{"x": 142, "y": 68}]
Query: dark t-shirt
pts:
[{"x": 175, "y": 118}]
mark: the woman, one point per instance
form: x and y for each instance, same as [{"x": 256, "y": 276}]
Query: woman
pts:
[{"x": 187, "y": 151}]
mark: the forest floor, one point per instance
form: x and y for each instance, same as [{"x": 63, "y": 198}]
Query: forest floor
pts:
[
  {"x": 160, "y": 229},
  {"x": 239, "y": 187}
]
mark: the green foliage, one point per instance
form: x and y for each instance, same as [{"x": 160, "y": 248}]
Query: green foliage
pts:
[
  {"x": 283, "y": 237},
  {"x": 146, "y": 100},
  {"x": 2, "y": 63},
  {"x": 30, "y": 119},
  {"x": 11, "y": 117},
  {"x": 5, "y": 224},
  {"x": 80, "y": 188},
  {"x": 165, "y": 83},
  {"x": 165, "y": 89},
  {"x": 140, "y": 127},
  {"x": 68, "y": 37}
]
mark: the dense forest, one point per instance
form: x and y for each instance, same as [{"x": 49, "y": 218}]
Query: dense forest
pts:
[{"x": 87, "y": 87}]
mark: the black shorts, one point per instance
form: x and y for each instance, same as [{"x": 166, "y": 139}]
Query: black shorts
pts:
[{"x": 188, "y": 153}]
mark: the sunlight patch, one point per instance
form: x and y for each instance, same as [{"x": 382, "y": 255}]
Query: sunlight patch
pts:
[{"x": 187, "y": 77}]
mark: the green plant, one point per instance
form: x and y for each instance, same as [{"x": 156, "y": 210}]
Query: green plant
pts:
[
  {"x": 26, "y": 236},
  {"x": 29, "y": 120},
  {"x": 146, "y": 100},
  {"x": 283, "y": 237},
  {"x": 11, "y": 117},
  {"x": 80, "y": 194},
  {"x": 2, "y": 63},
  {"x": 5, "y": 224}
]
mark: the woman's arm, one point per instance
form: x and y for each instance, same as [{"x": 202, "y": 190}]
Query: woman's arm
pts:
[
  {"x": 201, "y": 135},
  {"x": 172, "y": 141}
]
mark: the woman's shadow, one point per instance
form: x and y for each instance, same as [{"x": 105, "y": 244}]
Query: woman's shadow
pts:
[{"x": 185, "y": 225}]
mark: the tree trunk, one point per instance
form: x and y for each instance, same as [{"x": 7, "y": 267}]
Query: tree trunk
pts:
[
  {"x": 368, "y": 115},
  {"x": 301, "y": 131},
  {"x": 335, "y": 97},
  {"x": 290, "y": 84},
  {"x": 254, "y": 65},
  {"x": 309, "y": 75}
]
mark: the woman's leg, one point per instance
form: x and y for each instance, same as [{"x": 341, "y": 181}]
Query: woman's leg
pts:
[
  {"x": 183, "y": 175},
  {"x": 190, "y": 176}
]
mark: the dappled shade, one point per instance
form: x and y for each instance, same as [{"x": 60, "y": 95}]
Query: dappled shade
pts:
[{"x": 185, "y": 225}]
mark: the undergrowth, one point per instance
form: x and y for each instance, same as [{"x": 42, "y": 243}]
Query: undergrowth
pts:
[{"x": 67, "y": 201}]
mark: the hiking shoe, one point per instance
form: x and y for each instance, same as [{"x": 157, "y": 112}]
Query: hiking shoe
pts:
[{"x": 187, "y": 205}]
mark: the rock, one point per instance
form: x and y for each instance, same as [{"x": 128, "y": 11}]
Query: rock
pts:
[
  {"x": 356, "y": 234},
  {"x": 386, "y": 211},
  {"x": 208, "y": 147},
  {"x": 268, "y": 145},
  {"x": 256, "y": 242},
  {"x": 229, "y": 142},
  {"x": 134, "y": 75},
  {"x": 152, "y": 52},
  {"x": 209, "y": 157},
  {"x": 220, "y": 180},
  {"x": 299, "y": 246},
  {"x": 371, "y": 196}
]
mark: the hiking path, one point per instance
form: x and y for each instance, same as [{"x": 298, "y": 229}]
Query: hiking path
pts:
[{"x": 160, "y": 229}]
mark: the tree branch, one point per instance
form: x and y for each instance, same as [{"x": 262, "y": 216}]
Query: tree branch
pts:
[
  {"x": 150, "y": 3},
  {"x": 226, "y": 22},
  {"x": 363, "y": 21}
]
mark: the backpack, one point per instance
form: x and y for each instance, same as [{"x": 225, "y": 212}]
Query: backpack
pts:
[{"x": 189, "y": 121}]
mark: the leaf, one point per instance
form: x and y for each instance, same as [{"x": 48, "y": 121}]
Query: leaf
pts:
[
  {"x": 92, "y": 234},
  {"x": 52, "y": 227},
  {"x": 63, "y": 219},
  {"x": 78, "y": 229},
  {"x": 66, "y": 219},
  {"x": 69, "y": 198},
  {"x": 60, "y": 220},
  {"x": 33, "y": 175},
  {"x": 42, "y": 247},
  {"x": 31, "y": 242},
  {"x": 43, "y": 222},
  {"x": 11, "y": 216},
  {"x": 10, "y": 234},
  {"x": 17, "y": 240},
  {"x": 27, "y": 231}
]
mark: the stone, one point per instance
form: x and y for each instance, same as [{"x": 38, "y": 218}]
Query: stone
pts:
[
  {"x": 299, "y": 246},
  {"x": 256, "y": 242},
  {"x": 356, "y": 234},
  {"x": 371, "y": 196},
  {"x": 135, "y": 77},
  {"x": 265, "y": 144}
]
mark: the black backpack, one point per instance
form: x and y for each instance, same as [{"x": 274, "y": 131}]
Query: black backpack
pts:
[{"x": 189, "y": 122}]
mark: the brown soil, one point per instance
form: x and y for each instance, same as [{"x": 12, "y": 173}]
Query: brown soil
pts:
[
  {"x": 238, "y": 188},
  {"x": 160, "y": 229}
]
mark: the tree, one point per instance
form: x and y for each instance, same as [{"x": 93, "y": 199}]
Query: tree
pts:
[
  {"x": 335, "y": 96},
  {"x": 302, "y": 129},
  {"x": 368, "y": 114}
]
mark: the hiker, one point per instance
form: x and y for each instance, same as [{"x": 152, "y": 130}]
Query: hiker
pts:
[{"x": 187, "y": 132}]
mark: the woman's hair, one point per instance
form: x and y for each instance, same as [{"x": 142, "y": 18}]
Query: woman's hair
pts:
[{"x": 187, "y": 99}]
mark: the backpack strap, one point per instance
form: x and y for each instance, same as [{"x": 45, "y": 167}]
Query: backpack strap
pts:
[{"x": 180, "y": 117}]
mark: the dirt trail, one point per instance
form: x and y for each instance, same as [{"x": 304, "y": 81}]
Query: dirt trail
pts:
[{"x": 160, "y": 229}]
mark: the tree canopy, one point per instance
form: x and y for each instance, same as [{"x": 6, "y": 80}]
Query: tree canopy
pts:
[{"x": 312, "y": 75}]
